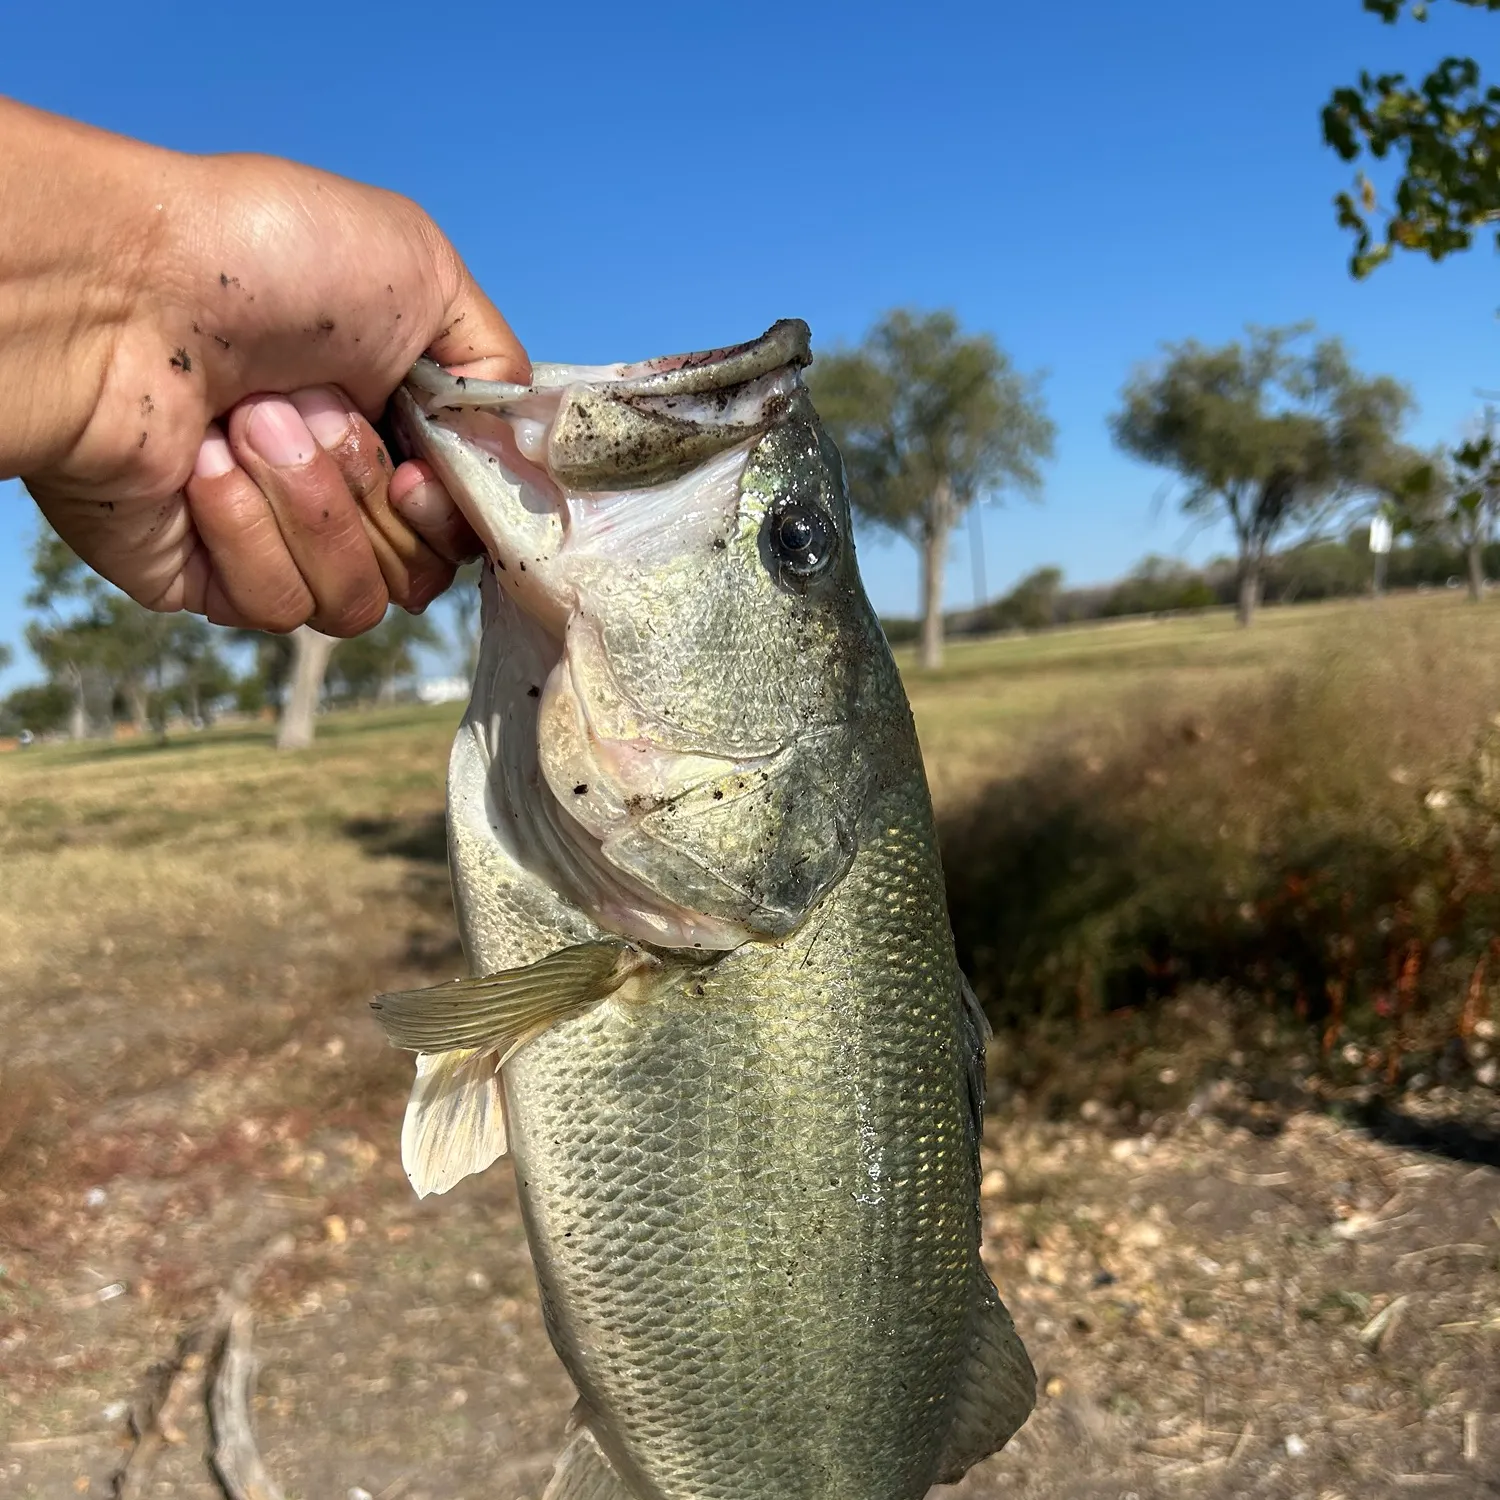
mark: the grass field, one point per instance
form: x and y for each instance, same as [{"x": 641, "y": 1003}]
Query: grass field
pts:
[
  {"x": 996, "y": 698},
  {"x": 190, "y": 931}
]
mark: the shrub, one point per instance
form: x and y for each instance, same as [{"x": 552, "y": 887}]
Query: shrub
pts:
[
  {"x": 41, "y": 708},
  {"x": 1159, "y": 585},
  {"x": 1324, "y": 846}
]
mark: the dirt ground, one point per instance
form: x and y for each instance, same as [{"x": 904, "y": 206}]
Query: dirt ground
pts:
[{"x": 1249, "y": 1300}]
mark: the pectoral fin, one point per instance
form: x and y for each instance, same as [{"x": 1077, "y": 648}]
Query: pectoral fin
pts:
[
  {"x": 498, "y": 1013},
  {"x": 455, "y": 1119},
  {"x": 464, "y": 1031},
  {"x": 584, "y": 1473}
]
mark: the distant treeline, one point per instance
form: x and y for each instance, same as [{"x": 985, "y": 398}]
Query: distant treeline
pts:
[{"x": 1326, "y": 568}]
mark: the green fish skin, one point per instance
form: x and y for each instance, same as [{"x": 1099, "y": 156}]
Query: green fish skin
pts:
[{"x": 749, "y": 1172}]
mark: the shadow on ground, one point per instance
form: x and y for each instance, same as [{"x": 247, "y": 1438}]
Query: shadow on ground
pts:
[{"x": 422, "y": 837}]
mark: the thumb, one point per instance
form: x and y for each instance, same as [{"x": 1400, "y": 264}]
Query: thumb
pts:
[{"x": 474, "y": 339}]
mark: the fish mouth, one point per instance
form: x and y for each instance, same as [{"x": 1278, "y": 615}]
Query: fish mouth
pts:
[{"x": 586, "y": 470}]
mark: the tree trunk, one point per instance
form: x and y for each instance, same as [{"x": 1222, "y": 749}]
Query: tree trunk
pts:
[
  {"x": 934, "y": 557},
  {"x": 99, "y": 702},
  {"x": 1249, "y": 590},
  {"x": 1476, "y": 570},
  {"x": 78, "y": 714},
  {"x": 310, "y": 653},
  {"x": 135, "y": 698}
]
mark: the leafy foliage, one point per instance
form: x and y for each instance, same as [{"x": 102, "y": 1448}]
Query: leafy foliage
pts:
[
  {"x": 1264, "y": 842},
  {"x": 1446, "y": 132},
  {"x": 1265, "y": 435},
  {"x": 1159, "y": 585},
  {"x": 41, "y": 708},
  {"x": 1031, "y": 604},
  {"x": 1457, "y": 494},
  {"x": 920, "y": 404},
  {"x": 462, "y": 600},
  {"x": 106, "y": 651},
  {"x": 367, "y": 668}
]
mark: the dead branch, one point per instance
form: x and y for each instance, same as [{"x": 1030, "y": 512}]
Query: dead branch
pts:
[
  {"x": 235, "y": 1459},
  {"x": 158, "y": 1424}
]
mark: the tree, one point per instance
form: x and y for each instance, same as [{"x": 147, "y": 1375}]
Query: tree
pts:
[
  {"x": 200, "y": 674},
  {"x": 1158, "y": 586},
  {"x": 265, "y": 684},
  {"x": 930, "y": 420},
  {"x": 310, "y": 653},
  {"x": 463, "y": 607},
  {"x": 67, "y": 644},
  {"x": 368, "y": 667},
  {"x": 1263, "y": 436},
  {"x": 1476, "y": 502},
  {"x": 1031, "y": 604},
  {"x": 1458, "y": 492},
  {"x": 288, "y": 675},
  {"x": 132, "y": 649},
  {"x": 40, "y": 707},
  {"x": 102, "y": 646},
  {"x": 1446, "y": 133}
]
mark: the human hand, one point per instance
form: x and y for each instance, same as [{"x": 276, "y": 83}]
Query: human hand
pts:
[{"x": 186, "y": 290}]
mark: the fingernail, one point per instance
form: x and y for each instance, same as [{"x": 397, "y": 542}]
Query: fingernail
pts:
[
  {"x": 214, "y": 458},
  {"x": 326, "y": 414},
  {"x": 420, "y": 500},
  {"x": 276, "y": 431},
  {"x": 407, "y": 480}
]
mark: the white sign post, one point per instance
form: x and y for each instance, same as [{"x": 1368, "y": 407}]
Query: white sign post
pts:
[{"x": 1380, "y": 545}]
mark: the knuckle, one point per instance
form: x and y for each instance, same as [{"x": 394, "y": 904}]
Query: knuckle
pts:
[
  {"x": 361, "y": 612},
  {"x": 426, "y": 585},
  {"x": 281, "y": 615}
]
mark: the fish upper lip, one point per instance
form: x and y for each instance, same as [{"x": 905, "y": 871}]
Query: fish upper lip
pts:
[{"x": 786, "y": 342}]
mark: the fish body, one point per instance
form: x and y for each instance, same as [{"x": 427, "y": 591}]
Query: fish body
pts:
[{"x": 687, "y": 810}]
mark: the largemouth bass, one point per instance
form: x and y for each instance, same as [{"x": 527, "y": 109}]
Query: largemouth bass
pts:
[{"x": 717, "y": 1014}]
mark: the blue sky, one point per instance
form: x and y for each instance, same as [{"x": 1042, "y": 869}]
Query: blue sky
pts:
[{"x": 1083, "y": 180}]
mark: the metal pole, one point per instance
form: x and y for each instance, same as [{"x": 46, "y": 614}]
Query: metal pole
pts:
[{"x": 976, "y": 556}]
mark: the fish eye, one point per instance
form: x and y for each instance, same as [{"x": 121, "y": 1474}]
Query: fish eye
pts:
[{"x": 798, "y": 542}]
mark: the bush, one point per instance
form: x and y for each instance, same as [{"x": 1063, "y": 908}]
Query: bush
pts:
[
  {"x": 901, "y": 632},
  {"x": 1031, "y": 605},
  {"x": 1159, "y": 585},
  {"x": 1320, "y": 570},
  {"x": 1324, "y": 847},
  {"x": 41, "y": 707}
]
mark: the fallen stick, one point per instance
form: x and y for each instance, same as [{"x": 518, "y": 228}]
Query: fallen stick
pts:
[
  {"x": 158, "y": 1425},
  {"x": 236, "y": 1460},
  {"x": 43, "y": 1444}
]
